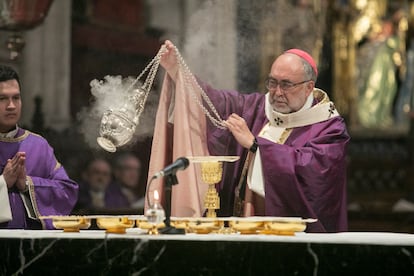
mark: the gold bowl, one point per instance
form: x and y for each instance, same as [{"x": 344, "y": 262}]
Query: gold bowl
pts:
[
  {"x": 144, "y": 224},
  {"x": 204, "y": 225},
  {"x": 285, "y": 226},
  {"x": 117, "y": 225},
  {"x": 179, "y": 223},
  {"x": 71, "y": 223},
  {"x": 246, "y": 225}
]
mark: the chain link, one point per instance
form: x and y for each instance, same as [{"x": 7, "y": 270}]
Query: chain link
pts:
[
  {"x": 190, "y": 80},
  {"x": 147, "y": 85}
]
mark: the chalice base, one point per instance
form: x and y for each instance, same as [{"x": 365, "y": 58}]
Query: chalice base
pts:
[
  {"x": 153, "y": 230},
  {"x": 211, "y": 213}
]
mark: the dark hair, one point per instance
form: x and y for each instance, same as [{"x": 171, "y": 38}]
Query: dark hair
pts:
[
  {"x": 119, "y": 159},
  {"x": 8, "y": 73}
]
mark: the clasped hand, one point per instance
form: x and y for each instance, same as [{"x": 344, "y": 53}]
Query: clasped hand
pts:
[{"x": 14, "y": 172}]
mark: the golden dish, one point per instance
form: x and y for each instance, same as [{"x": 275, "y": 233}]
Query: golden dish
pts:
[
  {"x": 204, "y": 159},
  {"x": 179, "y": 223},
  {"x": 69, "y": 223},
  {"x": 246, "y": 225},
  {"x": 269, "y": 225},
  {"x": 285, "y": 226},
  {"x": 147, "y": 225},
  {"x": 117, "y": 225},
  {"x": 204, "y": 225}
]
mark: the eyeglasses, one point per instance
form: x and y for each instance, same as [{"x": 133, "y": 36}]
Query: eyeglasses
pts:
[{"x": 284, "y": 85}]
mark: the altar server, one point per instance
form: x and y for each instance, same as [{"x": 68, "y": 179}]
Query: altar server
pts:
[{"x": 32, "y": 182}]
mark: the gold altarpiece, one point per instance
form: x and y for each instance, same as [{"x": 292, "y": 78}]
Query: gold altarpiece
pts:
[
  {"x": 345, "y": 26},
  {"x": 364, "y": 22},
  {"x": 289, "y": 24}
]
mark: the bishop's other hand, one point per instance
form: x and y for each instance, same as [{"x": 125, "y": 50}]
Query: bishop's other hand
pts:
[
  {"x": 241, "y": 132},
  {"x": 169, "y": 59}
]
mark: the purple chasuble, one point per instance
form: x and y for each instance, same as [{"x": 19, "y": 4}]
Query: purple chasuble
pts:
[
  {"x": 304, "y": 177},
  {"x": 52, "y": 192}
]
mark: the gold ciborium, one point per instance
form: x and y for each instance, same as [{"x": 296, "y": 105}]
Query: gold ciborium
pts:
[{"x": 211, "y": 174}]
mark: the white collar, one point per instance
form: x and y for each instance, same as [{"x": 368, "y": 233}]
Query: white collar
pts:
[
  {"x": 10, "y": 134},
  {"x": 307, "y": 115}
]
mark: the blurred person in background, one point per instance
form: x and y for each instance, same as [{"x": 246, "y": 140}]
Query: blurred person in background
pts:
[
  {"x": 97, "y": 192},
  {"x": 127, "y": 175}
]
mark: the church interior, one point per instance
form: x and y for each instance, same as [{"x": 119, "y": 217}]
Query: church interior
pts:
[
  {"x": 364, "y": 50},
  {"x": 64, "y": 49}
]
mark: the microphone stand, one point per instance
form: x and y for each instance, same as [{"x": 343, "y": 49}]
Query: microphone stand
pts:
[{"x": 170, "y": 180}]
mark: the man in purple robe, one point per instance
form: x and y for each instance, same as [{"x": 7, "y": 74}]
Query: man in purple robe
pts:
[
  {"x": 32, "y": 182},
  {"x": 292, "y": 144}
]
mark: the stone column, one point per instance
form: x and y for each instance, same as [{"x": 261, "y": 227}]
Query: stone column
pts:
[
  {"x": 45, "y": 67},
  {"x": 210, "y": 42},
  {"x": 205, "y": 33}
]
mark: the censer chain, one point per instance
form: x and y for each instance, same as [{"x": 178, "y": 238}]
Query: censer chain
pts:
[{"x": 191, "y": 80}]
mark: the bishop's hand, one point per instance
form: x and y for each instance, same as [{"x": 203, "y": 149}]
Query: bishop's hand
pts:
[
  {"x": 241, "y": 132},
  {"x": 169, "y": 59}
]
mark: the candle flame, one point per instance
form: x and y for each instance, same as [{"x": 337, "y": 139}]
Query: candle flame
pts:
[{"x": 156, "y": 195}]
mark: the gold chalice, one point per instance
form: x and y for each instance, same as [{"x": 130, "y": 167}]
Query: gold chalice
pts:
[{"x": 211, "y": 174}]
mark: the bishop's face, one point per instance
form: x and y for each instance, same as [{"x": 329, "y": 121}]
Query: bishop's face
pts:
[
  {"x": 10, "y": 105},
  {"x": 288, "y": 86}
]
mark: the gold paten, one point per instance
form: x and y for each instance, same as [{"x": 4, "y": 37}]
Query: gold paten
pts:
[
  {"x": 246, "y": 225},
  {"x": 69, "y": 223},
  {"x": 117, "y": 225},
  {"x": 204, "y": 225},
  {"x": 269, "y": 225},
  {"x": 151, "y": 228}
]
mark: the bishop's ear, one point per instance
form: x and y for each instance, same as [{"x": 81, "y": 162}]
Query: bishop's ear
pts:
[{"x": 310, "y": 85}]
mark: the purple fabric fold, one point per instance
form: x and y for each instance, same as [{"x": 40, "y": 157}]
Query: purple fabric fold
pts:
[{"x": 304, "y": 177}]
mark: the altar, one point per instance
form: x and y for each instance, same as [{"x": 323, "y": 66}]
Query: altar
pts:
[{"x": 94, "y": 252}]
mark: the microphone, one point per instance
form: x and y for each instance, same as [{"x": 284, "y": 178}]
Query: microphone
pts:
[{"x": 179, "y": 164}]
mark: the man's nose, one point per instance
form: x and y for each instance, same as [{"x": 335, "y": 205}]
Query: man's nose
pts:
[
  {"x": 11, "y": 105},
  {"x": 277, "y": 91}
]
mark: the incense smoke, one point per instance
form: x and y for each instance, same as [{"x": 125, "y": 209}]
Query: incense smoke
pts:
[
  {"x": 112, "y": 93},
  {"x": 220, "y": 41}
]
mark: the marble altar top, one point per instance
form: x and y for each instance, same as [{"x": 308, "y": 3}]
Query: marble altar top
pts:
[{"x": 375, "y": 238}]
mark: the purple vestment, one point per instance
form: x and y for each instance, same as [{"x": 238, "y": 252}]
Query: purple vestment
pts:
[
  {"x": 304, "y": 177},
  {"x": 52, "y": 193},
  {"x": 113, "y": 199}
]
